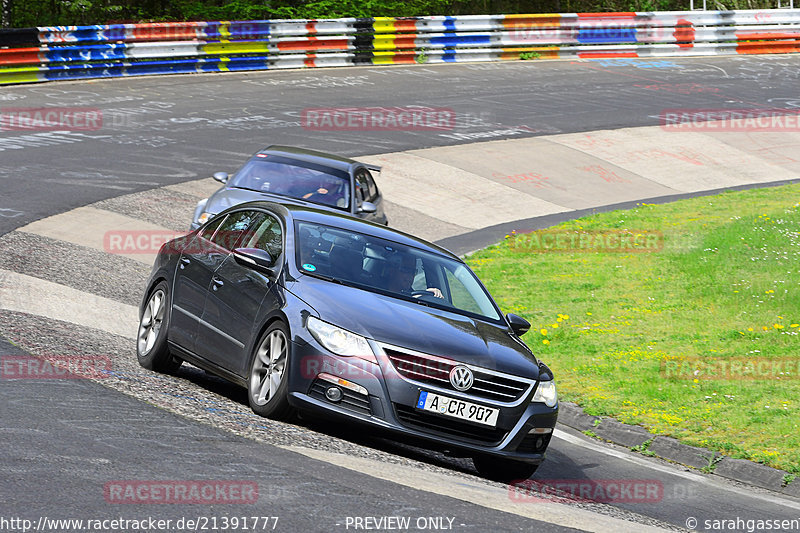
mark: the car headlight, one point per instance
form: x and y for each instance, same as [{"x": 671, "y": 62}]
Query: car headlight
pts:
[
  {"x": 203, "y": 218},
  {"x": 546, "y": 393},
  {"x": 340, "y": 341}
]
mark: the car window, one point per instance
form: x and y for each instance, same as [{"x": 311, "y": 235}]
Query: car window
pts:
[
  {"x": 367, "y": 190},
  {"x": 266, "y": 235},
  {"x": 284, "y": 176},
  {"x": 208, "y": 230},
  {"x": 460, "y": 295},
  {"x": 234, "y": 227},
  {"x": 398, "y": 270},
  {"x": 373, "y": 189}
]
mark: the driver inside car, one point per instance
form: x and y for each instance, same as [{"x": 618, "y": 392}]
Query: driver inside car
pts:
[
  {"x": 400, "y": 272},
  {"x": 328, "y": 193}
]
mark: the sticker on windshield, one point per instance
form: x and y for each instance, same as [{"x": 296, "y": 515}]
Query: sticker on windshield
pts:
[{"x": 309, "y": 267}]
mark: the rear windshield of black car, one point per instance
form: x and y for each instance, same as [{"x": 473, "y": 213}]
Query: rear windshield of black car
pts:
[{"x": 390, "y": 268}]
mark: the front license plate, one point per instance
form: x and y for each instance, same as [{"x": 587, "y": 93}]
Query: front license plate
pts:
[{"x": 436, "y": 403}]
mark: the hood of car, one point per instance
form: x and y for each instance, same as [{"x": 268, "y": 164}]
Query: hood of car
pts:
[
  {"x": 418, "y": 327},
  {"x": 225, "y": 198}
]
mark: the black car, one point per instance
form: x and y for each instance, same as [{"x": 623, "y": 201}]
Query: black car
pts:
[
  {"x": 315, "y": 311},
  {"x": 279, "y": 172}
]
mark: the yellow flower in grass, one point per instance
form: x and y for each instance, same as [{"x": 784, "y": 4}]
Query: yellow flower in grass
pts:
[
  {"x": 543, "y": 331},
  {"x": 749, "y": 329},
  {"x": 777, "y": 326},
  {"x": 794, "y": 325},
  {"x": 765, "y": 328},
  {"x": 545, "y": 341}
]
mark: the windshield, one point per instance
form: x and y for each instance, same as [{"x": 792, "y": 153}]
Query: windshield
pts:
[
  {"x": 390, "y": 268},
  {"x": 297, "y": 179}
]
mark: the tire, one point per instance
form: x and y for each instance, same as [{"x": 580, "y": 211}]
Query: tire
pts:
[
  {"x": 267, "y": 383},
  {"x": 151, "y": 341},
  {"x": 504, "y": 470}
]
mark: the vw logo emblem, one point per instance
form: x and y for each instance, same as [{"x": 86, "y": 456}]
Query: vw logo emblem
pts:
[{"x": 461, "y": 378}]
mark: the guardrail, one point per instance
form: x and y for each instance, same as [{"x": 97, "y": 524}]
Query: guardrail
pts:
[{"x": 77, "y": 52}]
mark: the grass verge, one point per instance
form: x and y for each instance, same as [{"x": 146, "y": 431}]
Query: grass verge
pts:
[{"x": 692, "y": 334}]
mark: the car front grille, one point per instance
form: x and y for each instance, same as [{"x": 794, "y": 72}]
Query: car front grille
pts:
[
  {"x": 440, "y": 425},
  {"x": 435, "y": 371}
]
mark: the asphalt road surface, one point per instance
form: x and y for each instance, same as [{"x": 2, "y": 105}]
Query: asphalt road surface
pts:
[{"x": 157, "y": 131}]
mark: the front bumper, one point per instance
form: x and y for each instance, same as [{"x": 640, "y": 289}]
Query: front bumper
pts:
[{"x": 386, "y": 401}]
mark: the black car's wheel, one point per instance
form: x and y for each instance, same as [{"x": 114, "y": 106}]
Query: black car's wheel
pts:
[
  {"x": 268, "y": 384},
  {"x": 151, "y": 342},
  {"x": 505, "y": 470}
]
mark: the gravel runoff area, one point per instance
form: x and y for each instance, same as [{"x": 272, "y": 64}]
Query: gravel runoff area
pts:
[
  {"x": 207, "y": 399},
  {"x": 111, "y": 276}
]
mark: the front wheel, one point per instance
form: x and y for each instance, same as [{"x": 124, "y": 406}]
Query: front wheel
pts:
[
  {"x": 504, "y": 470},
  {"x": 268, "y": 389},
  {"x": 151, "y": 342}
]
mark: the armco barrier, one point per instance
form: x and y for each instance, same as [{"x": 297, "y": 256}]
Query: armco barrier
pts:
[{"x": 76, "y": 52}]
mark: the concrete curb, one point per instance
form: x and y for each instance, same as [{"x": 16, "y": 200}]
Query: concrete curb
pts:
[{"x": 670, "y": 449}]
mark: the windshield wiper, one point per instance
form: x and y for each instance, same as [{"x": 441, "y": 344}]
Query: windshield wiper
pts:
[
  {"x": 326, "y": 278},
  {"x": 420, "y": 301}
]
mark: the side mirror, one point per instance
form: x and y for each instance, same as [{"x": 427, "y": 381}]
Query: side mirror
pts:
[
  {"x": 221, "y": 177},
  {"x": 367, "y": 207},
  {"x": 519, "y": 325},
  {"x": 257, "y": 259}
]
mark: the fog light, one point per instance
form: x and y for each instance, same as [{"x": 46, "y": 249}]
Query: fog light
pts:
[{"x": 334, "y": 394}]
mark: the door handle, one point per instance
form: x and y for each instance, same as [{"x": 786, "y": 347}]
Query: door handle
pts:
[{"x": 217, "y": 282}]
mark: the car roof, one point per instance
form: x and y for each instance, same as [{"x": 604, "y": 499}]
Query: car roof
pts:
[
  {"x": 303, "y": 212},
  {"x": 311, "y": 156}
]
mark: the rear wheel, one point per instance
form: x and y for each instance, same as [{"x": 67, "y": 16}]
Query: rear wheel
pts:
[
  {"x": 151, "y": 342},
  {"x": 268, "y": 389},
  {"x": 505, "y": 470}
]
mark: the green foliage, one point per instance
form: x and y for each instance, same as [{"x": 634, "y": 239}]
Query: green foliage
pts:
[
  {"x": 529, "y": 55},
  {"x": 712, "y": 459},
  {"x": 644, "y": 448},
  {"x": 636, "y": 336},
  {"x": 27, "y": 13}
]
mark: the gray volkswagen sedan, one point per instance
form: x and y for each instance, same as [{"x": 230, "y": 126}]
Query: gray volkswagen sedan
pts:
[
  {"x": 323, "y": 313},
  {"x": 320, "y": 179}
]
